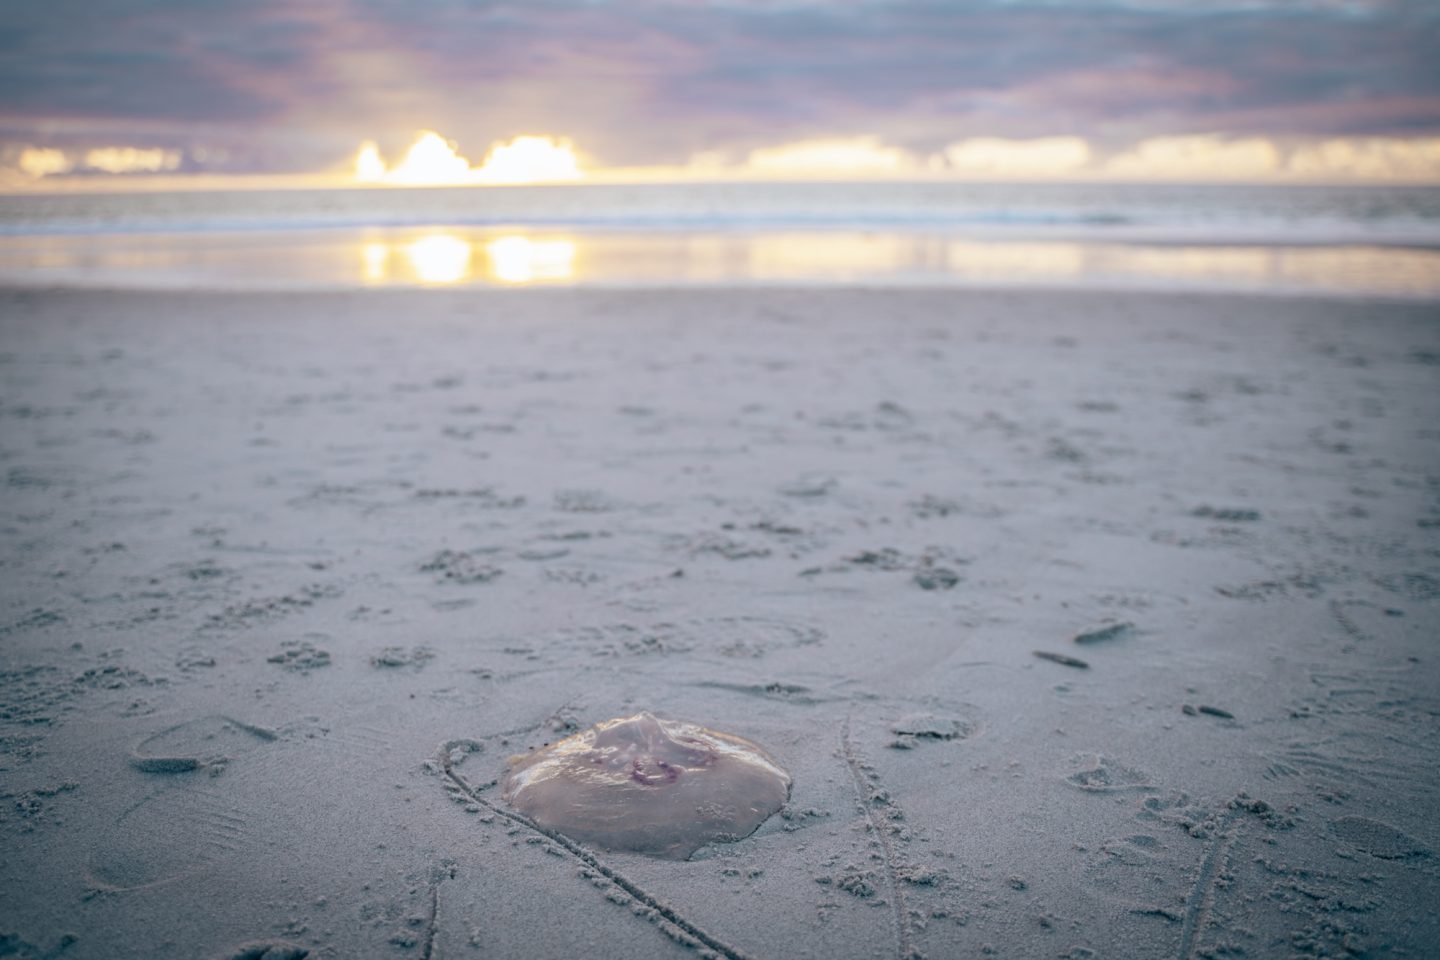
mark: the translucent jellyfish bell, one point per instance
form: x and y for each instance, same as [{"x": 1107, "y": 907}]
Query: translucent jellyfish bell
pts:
[{"x": 660, "y": 787}]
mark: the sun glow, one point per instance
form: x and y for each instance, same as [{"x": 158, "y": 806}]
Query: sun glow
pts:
[
  {"x": 431, "y": 159},
  {"x": 447, "y": 258},
  {"x": 519, "y": 259},
  {"x": 457, "y": 258},
  {"x": 440, "y": 258},
  {"x": 530, "y": 160},
  {"x": 369, "y": 167},
  {"x": 375, "y": 262},
  {"x": 434, "y": 161}
]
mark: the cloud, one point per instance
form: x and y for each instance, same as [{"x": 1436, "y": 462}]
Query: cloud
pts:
[
  {"x": 131, "y": 160},
  {"x": 1043, "y": 157},
  {"x": 271, "y": 85},
  {"x": 43, "y": 161},
  {"x": 433, "y": 160},
  {"x": 1198, "y": 158},
  {"x": 40, "y": 162},
  {"x": 1369, "y": 159},
  {"x": 841, "y": 156},
  {"x": 130, "y": 59}
]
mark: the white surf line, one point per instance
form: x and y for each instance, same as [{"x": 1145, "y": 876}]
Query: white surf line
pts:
[
  {"x": 903, "y": 949},
  {"x": 660, "y": 908},
  {"x": 1202, "y": 896}
]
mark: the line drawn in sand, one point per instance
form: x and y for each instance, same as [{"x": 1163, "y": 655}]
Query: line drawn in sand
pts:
[
  {"x": 670, "y": 921},
  {"x": 438, "y": 875},
  {"x": 1202, "y": 895},
  {"x": 871, "y": 799}
]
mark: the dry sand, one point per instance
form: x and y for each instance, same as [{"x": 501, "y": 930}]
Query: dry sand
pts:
[{"x": 287, "y": 577}]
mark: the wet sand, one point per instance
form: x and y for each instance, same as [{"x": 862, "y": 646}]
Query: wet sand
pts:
[{"x": 1087, "y": 624}]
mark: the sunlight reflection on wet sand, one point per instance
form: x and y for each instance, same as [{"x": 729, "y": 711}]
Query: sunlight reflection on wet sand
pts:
[{"x": 497, "y": 257}]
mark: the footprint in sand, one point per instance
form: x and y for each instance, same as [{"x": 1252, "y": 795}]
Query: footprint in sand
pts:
[
  {"x": 207, "y": 743},
  {"x": 1103, "y": 775},
  {"x": 1141, "y": 873},
  {"x": 168, "y": 835},
  {"x": 916, "y": 729},
  {"x": 747, "y": 637},
  {"x": 1378, "y": 839},
  {"x": 178, "y": 828}
]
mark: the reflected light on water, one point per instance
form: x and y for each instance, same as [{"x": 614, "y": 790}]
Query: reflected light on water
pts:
[
  {"x": 518, "y": 259},
  {"x": 1015, "y": 262},
  {"x": 783, "y": 256},
  {"x": 498, "y": 257},
  {"x": 375, "y": 262},
  {"x": 440, "y": 258}
]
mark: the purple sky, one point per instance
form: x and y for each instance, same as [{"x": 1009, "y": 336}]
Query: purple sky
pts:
[{"x": 293, "y": 85}]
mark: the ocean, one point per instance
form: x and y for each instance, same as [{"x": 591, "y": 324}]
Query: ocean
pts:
[{"x": 1308, "y": 239}]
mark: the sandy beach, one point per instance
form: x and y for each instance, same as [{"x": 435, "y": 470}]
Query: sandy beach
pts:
[{"x": 1087, "y": 624}]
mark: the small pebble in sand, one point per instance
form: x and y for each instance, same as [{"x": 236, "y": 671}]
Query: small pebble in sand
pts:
[
  {"x": 1115, "y": 631},
  {"x": 936, "y": 578},
  {"x": 1227, "y": 514},
  {"x": 1061, "y": 659}
]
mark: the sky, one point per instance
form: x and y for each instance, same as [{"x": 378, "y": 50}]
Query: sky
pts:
[{"x": 96, "y": 89}]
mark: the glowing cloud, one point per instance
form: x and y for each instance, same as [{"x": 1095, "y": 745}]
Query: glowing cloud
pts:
[
  {"x": 43, "y": 162},
  {"x": 40, "y": 162},
  {"x": 132, "y": 160},
  {"x": 434, "y": 161},
  {"x": 847, "y": 156},
  {"x": 1369, "y": 159},
  {"x": 369, "y": 166},
  {"x": 430, "y": 160},
  {"x": 991, "y": 156},
  {"x": 1198, "y": 158},
  {"x": 529, "y": 159}
]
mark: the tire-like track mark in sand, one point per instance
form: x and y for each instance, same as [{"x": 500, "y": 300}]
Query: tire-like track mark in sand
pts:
[
  {"x": 685, "y": 932},
  {"x": 867, "y": 796},
  {"x": 1202, "y": 896}
]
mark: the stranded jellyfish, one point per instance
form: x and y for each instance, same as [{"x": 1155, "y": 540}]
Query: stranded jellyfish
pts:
[{"x": 660, "y": 787}]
